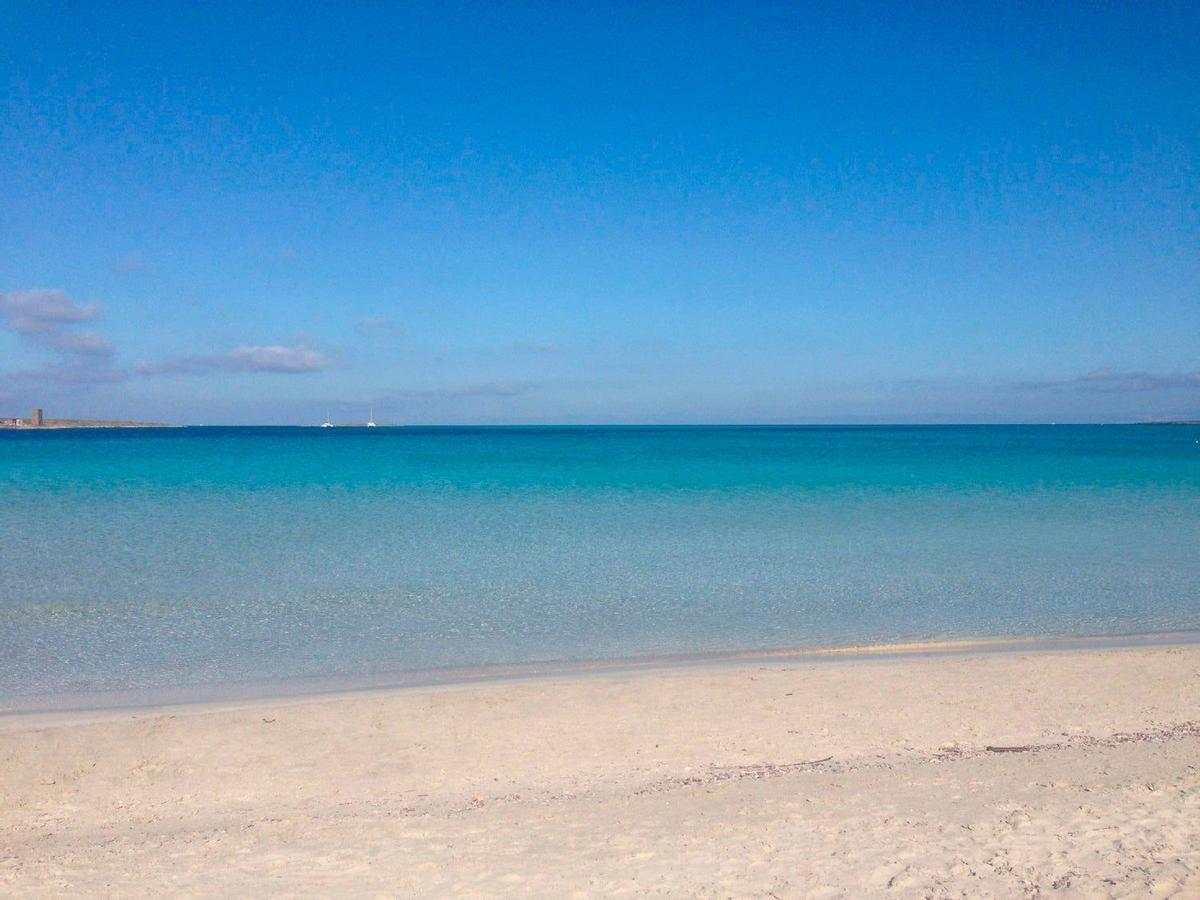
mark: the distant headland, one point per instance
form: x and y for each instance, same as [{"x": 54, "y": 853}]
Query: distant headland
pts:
[{"x": 37, "y": 419}]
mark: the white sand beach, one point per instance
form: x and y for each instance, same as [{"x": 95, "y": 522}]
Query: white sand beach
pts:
[{"x": 1072, "y": 774}]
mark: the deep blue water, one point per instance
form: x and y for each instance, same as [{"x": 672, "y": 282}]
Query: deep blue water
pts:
[{"x": 137, "y": 559}]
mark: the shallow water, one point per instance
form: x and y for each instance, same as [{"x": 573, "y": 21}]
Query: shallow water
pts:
[{"x": 135, "y": 559}]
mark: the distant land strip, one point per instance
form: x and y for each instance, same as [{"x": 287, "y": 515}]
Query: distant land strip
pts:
[{"x": 84, "y": 423}]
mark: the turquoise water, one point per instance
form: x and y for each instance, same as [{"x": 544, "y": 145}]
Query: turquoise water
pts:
[{"x": 135, "y": 559}]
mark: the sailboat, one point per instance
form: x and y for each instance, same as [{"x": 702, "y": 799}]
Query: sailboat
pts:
[
  {"x": 326, "y": 423},
  {"x": 371, "y": 418}
]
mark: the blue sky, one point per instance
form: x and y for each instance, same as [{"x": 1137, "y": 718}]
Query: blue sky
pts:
[{"x": 600, "y": 212}]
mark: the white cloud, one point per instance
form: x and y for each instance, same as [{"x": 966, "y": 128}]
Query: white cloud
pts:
[
  {"x": 1107, "y": 381},
  {"x": 44, "y": 312},
  {"x": 271, "y": 359},
  {"x": 480, "y": 389},
  {"x": 79, "y": 343},
  {"x": 48, "y": 319},
  {"x": 274, "y": 358},
  {"x": 132, "y": 262},
  {"x": 72, "y": 372},
  {"x": 377, "y": 325}
]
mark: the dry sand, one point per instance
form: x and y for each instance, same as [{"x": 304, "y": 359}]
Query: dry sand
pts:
[{"x": 855, "y": 777}]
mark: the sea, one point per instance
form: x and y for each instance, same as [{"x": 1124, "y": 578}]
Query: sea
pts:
[{"x": 150, "y": 563}]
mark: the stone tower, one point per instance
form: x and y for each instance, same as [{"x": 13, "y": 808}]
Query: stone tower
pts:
[{"x": 35, "y": 419}]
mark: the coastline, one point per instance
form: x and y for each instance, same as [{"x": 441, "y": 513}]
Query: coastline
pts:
[
  {"x": 59, "y": 707},
  {"x": 69, "y": 425},
  {"x": 977, "y": 772}
]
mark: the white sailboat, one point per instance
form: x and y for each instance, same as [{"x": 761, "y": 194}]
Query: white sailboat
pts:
[
  {"x": 327, "y": 423},
  {"x": 371, "y": 418}
]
